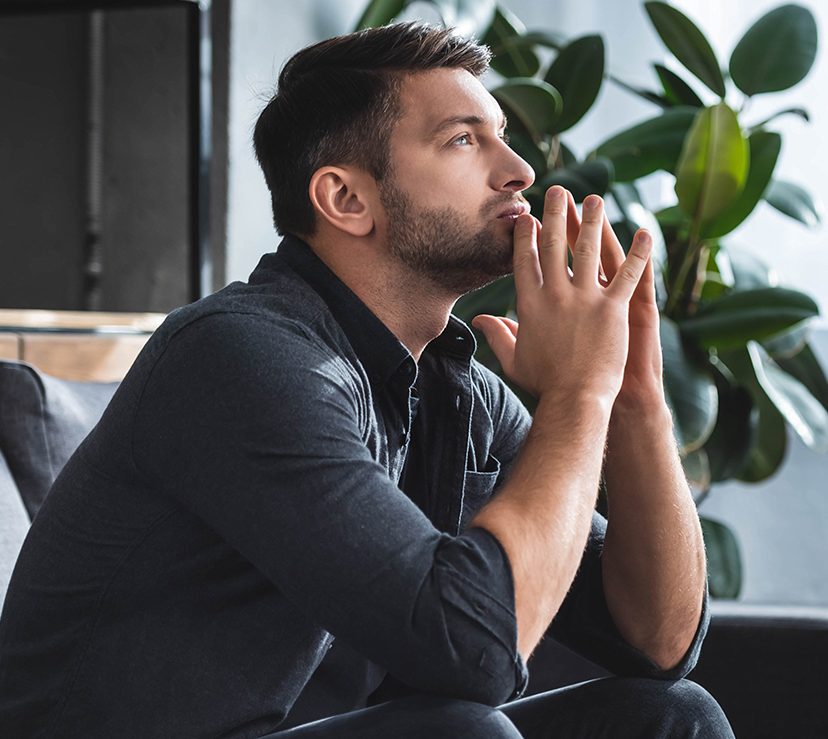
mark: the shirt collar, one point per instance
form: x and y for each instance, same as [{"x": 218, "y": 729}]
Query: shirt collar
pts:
[{"x": 376, "y": 346}]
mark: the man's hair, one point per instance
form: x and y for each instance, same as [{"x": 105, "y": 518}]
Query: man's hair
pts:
[{"x": 336, "y": 104}]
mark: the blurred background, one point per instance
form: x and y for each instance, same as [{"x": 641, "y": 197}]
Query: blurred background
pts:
[{"x": 128, "y": 182}]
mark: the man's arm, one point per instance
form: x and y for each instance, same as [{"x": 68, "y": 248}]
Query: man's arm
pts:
[
  {"x": 542, "y": 515},
  {"x": 653, "y": 561},
  {"x": 653, "y": 565}
]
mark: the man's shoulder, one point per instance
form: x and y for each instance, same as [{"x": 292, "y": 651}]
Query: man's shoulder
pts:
[{"x": 278, "y": 325}]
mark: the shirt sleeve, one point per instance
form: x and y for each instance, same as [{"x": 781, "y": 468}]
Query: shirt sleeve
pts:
[
  {"x": 260, "y": 432},
  {"x": 583, "y": 622}
]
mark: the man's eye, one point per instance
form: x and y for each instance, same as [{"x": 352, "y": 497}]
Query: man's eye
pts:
[{"x": 463, "y": 140}]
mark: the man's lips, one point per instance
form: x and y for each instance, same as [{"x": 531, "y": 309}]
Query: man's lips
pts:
[{"x": 513, "y": 211}]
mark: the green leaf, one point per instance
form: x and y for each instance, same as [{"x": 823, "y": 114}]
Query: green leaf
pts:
[
  {"x": 690, "y": 389},
  {"x": 788, "y": 343},
  {"x": 380, "y": 12},
  {"x": 746, "y": 315},
  {"x": 801, "y": 112},
  {"x": 672, "y": 217},
  {"x": 776, "y": 52},
  {"x": 687, "y": 43},
  {"x": 677, "y": 91},
  {"x": 801, "y": 410},
  {"x": 729, "y": 444},
  {"x": 636, "y": 216},
  {"x": 528, "y": 150},
  {"x": 648, "y": 95},
  {"x": 805, "y": 367},
  {"x": 648, "y": 146},
  {"x": 764, "y": 152},
  {"x": 535, "y": 104},
  {"x": 769, "y": 436},
  {"x": 697, "y": 471},
  {"x": 577, "y": 73},
  {"x": 713, "y": 166},
  {"x": 748, "y": 270},
  {"x": 549, "y": 39},
  {"x": 509, "y": 58},
  {"x": 566, "y": 155},
  {"x": 581, "y": 179},
  {"x": 724, "y": 562},
  {"x": 794, "y": 201}
]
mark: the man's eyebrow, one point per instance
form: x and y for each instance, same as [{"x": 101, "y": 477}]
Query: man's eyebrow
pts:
[{"x": 464, "y": 120}]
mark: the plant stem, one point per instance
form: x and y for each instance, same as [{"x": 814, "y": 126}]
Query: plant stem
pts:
[{"x": 694, "y": 246}]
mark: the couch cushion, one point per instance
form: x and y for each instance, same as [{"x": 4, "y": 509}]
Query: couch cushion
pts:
[
  {"x": 42, "y": 421},
  {"x": 14, "y": 523}
]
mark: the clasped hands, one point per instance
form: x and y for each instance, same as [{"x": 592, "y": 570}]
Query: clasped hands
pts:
[{"x": 592, "y": 329}]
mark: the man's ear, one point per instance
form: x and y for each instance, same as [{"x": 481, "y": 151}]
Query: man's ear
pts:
[{"x": 343, "y": 197}]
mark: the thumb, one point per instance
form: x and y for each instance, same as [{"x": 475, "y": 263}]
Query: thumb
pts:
[{"x": 499, "y": 337}]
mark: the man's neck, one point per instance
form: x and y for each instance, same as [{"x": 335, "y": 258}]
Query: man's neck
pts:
[{"x": 413, "y": 309}]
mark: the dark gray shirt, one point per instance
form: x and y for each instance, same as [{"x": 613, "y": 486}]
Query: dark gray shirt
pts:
[{"x": 276, "y": 473}]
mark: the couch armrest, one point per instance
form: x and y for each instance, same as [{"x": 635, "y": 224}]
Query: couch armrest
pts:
[{"x": 767, "y": 666}]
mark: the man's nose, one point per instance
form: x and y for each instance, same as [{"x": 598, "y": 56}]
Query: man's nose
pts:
[{"x": 516, "y": 174}]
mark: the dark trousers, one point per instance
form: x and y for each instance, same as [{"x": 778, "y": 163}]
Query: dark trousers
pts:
[{"x": 613, "y": 707}]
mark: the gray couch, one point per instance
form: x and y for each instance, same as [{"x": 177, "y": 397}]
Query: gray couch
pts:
[
  {"x": 42, "y": 421},
  {"x": 767, "y": 666}
]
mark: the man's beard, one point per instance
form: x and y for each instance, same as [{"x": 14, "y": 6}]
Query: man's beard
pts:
[{"x": 437, "y": 244}]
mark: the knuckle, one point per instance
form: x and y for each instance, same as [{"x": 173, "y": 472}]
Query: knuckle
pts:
[
  {"x": 551, "y": 242},
  {"x": 522, "y": 261},
  {"x": 628, "y": 273},
  {"x": 584, "y": 248}
]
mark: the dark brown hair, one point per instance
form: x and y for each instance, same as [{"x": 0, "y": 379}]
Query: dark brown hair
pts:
[{"x": 336, "y": 103}]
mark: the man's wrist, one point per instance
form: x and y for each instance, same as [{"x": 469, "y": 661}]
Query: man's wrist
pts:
[
  {"x": 642, "y": 407},
  {"x": 644, "y": 398}
]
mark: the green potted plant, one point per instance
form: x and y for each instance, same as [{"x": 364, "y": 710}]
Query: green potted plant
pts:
[{"x": 738, "y": 365}]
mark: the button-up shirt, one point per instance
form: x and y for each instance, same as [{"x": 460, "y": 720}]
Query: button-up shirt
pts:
[{"x": 274, "y": 475}]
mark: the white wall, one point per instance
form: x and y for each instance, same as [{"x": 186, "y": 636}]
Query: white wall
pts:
[{"x": 781, "y": 524}]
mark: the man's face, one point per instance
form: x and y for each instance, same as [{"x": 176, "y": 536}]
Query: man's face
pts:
[{"x": 453, "y": 193}]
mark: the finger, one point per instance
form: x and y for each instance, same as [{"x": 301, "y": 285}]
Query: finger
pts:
[
  {"x": 645, "y": 291},
  {"x": 573, "y": 228},
  {"x": 612, "y": 253},
  {"x": 632, "y": 269},
  {"x": 525, "y": 265},
  {"x": 552, "y": 245},
  {"x": 586, "y": 251},
  {"x": 573, "y": 224},
  {"x": 500, "y": 338},
  {"x": 573, "y": 220},
  {"x": 510, "y": 324}
]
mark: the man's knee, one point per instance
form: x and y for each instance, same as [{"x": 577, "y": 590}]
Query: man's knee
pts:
[
  {"x": 683, "y": 706},
  {"x": 455, "y": 718}
]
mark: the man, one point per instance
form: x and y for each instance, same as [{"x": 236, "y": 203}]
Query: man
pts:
[{"x": 310, "y": 458}]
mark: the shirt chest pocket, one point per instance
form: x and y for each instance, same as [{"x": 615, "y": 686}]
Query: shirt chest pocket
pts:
[{"x": 478, "y": 488}]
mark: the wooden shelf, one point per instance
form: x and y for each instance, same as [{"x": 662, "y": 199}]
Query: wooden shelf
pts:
[
  {"x": 82, "y": 321},
  {"x": 76, "y": 345}
]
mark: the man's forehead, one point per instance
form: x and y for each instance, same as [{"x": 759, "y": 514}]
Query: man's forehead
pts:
[{"x": 433, "y": 98}]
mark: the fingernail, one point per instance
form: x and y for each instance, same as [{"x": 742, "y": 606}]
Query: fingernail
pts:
[
  {"x": 592, "y": 204},
  {"x": 554, "y": 194}
]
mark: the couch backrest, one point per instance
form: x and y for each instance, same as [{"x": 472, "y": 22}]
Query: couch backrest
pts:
[
  {"x": 43, "y": 419},
  {"x": 14, "y": 523}
]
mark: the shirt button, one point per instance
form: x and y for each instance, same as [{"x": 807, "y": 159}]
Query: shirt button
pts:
[{"x": 457, "y": 402}]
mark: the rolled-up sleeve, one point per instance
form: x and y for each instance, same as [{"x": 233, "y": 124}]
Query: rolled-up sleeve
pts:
[{"x": 260, "y": 432}]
